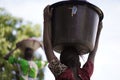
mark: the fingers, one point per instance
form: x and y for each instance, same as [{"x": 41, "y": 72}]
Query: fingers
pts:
[
  {"x": 47, "y": 13},
  {"x": 47, "y": 9}
]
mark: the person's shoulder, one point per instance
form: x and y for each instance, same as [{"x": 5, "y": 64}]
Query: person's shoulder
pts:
[
  {"x": 89, "y": 63},
  {"x": 21, "y": 60},
  {"x": 12, "y": 59}
]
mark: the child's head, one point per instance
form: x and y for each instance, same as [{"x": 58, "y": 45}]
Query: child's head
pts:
[{"x": 69, "y": 56}]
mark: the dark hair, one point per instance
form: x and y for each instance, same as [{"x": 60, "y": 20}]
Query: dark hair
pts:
[
  {"x": 28, "y": 49},
  {"x": 69, "y": 56},
  {"x": 28, "y": 53}
]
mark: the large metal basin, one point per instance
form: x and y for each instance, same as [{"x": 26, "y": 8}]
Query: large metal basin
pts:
[{"x": 75, "y": 23}]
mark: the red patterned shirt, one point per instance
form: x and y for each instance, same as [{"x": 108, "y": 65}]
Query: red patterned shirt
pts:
[{"x": 62, "y": 72}]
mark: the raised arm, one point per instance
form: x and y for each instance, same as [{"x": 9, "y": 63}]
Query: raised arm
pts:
[
  {"x": 47, "y": 35},
  {"x": 9, "y": 54},
  {"x": 92, "y": 54}
]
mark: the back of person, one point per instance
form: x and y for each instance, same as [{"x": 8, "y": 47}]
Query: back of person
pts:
[
  {"x": 28, "y": 69},
  {"x": 68, "y": 68},
  {"x": 63, "y": 72}
]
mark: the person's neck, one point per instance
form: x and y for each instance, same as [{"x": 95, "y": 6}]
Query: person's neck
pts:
[{"x": 75, "y": 72}]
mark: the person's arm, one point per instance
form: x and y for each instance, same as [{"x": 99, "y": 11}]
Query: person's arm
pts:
[
  {"x": 47, "y": 35},
  {"x": 9, "y": 54},
  {"x": 92, "y": 54}
]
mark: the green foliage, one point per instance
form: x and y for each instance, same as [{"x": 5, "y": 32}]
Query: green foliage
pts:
[{"x": 12, "y": 30}]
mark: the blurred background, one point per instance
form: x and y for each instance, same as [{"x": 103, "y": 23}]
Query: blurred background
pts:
[{"x": 21, "y": 19}]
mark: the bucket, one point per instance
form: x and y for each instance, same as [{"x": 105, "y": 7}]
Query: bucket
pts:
[{"x": 75, "y": 23}]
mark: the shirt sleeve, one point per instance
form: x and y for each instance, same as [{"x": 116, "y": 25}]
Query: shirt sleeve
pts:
[
  {"x": 12, "y": 60},
  {"x": 88, "y": 67},
  {"x": 39, "y": 63},
  {"x": 57, "y": 67}
]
